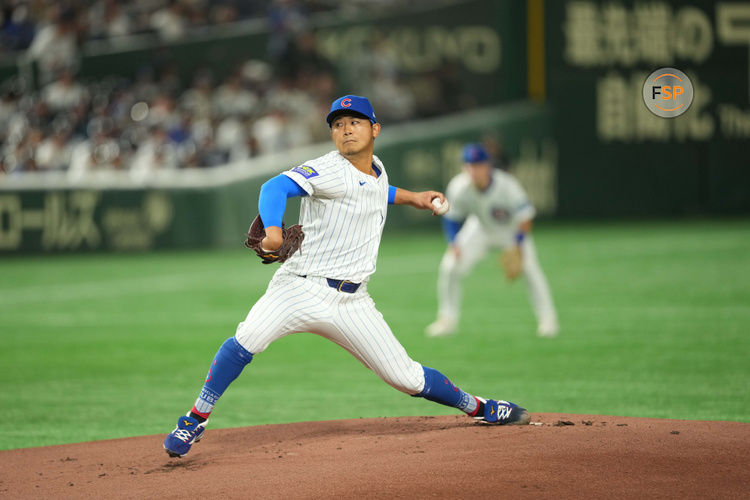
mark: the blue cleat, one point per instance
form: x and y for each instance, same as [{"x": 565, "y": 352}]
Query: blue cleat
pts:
[
  {"x": 503, "y": 413},
  {"x": 187, "y": 432}
]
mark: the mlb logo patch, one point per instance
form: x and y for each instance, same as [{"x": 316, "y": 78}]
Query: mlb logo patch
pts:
[{"x": 305, "y": 171}]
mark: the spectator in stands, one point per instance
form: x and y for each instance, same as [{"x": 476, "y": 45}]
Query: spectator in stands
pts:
[
  {"x": 157, "y": 152},
  {"x": 19, "y": 156},
  {"x": 55, "y": 46},
  {"x": 170, "y": 21},
  {"x": 100, "y": 153},
  {"x": 197, "y": 99},
  {"x": 163, "y": 112},
  {"x": 207, "y": 153},
  {"x": 233, "y": 98},
  {"x": 16, "y": 28},
  {"x": 64, "y": 93},
  {"x": 278, "y": 131},
  {"x": 108, "y": 19},
  {"x": 54, "y": 152},
  {"x": 231, "y": 137}
]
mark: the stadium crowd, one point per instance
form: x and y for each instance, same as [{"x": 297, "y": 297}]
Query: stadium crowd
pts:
[
  {"x": 38, "y": 24},
  {"x": 152, "y": 123},
  {"x": 155, "y": 121}
]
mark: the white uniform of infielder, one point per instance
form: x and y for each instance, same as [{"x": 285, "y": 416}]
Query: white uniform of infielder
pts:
[
  {"x": 496, "y": 213},
  {"x": 322, "y": 287}
]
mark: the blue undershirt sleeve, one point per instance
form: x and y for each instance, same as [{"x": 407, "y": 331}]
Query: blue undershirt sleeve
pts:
[
  {"x": 451, "y": 228},
  {"x": 391, "y": 194},
  {"x": 273, "y": 196}
]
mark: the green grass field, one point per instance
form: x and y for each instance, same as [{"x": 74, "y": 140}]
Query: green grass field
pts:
[{"x": 655, "y": 323}]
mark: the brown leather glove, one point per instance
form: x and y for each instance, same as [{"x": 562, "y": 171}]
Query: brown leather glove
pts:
[
  {"x": 292, "y": 240},
  {"x": 512, "y": 262}
]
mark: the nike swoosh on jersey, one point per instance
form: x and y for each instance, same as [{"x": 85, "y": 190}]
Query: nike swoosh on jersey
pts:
[{"x": 362, "y": 183}]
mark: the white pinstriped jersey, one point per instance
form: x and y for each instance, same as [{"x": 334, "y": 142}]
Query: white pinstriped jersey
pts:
[
  {"x": 343, "y": 218},
  {"x": 500, "y": 208}
]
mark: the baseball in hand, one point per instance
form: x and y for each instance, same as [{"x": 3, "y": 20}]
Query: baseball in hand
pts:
[{"x": 440, "y": 208}]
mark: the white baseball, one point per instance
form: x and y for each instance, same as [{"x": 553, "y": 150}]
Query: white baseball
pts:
[{"x": 440, "y": 208}]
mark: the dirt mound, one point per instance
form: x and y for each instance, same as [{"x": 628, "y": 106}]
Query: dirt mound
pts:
[{"x": 558, "y": 456}]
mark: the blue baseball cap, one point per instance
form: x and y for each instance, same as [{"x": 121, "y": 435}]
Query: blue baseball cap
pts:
[
  {"x": 351, "y": 104},
  {"x": 475, "y": 153}
]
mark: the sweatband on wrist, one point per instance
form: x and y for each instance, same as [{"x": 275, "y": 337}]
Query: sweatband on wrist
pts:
[{"x": 391, "y": 194}]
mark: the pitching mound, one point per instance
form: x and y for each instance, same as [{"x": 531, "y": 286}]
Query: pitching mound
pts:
[{"x": 562, "y": 456}]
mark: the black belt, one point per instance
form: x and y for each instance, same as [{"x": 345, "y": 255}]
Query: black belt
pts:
[{"x": 345, "y": 286}]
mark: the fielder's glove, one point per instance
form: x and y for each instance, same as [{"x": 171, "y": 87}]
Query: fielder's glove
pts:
[
  {"x": 292, "y": 240},
  {"x": 512, "y": 261}
]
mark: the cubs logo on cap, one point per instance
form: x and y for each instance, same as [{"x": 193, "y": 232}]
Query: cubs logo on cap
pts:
[{"x": 351, "y": 104}]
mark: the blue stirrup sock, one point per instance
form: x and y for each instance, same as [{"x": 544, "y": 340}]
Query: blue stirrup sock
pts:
[
  {"x": 228, "y": 363},
  {"x": 439, "y": 389}
]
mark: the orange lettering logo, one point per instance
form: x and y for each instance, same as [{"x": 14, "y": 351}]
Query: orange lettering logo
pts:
[{"x": 668, "y": 84}]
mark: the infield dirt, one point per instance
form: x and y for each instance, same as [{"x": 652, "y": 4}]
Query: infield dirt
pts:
[{"x": 562, "y": 456}]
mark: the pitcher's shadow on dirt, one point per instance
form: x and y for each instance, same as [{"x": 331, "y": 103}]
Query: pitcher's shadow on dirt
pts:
[
  {"x": 386, "y": 426},
  {"x": 177, "y": 464}
]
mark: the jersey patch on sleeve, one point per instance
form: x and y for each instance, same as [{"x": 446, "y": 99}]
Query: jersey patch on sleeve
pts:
[{"x": 305, "y": 171}]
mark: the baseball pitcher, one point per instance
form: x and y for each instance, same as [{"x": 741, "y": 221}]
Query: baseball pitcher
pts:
[{"x": 321, "y": 286}]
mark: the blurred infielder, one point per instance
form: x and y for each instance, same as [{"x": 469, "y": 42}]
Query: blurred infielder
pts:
[
  {"x": 322, "y": 285},
  {"x": 489, "y": 209}
]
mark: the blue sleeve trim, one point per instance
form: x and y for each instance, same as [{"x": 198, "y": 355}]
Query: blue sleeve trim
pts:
[
  {"x": 391, "y": 194},
  {"x": 451, "y": 228},
  {"x": 522, "y": 206},
  {"x": 273, "y": 196}
]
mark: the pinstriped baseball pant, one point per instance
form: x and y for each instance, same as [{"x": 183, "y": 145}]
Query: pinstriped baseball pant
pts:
[{"x": 294, "y": 304}]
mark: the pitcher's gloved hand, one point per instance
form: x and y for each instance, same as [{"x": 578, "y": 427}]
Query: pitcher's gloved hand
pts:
[{"x": 292, "y": 240}]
